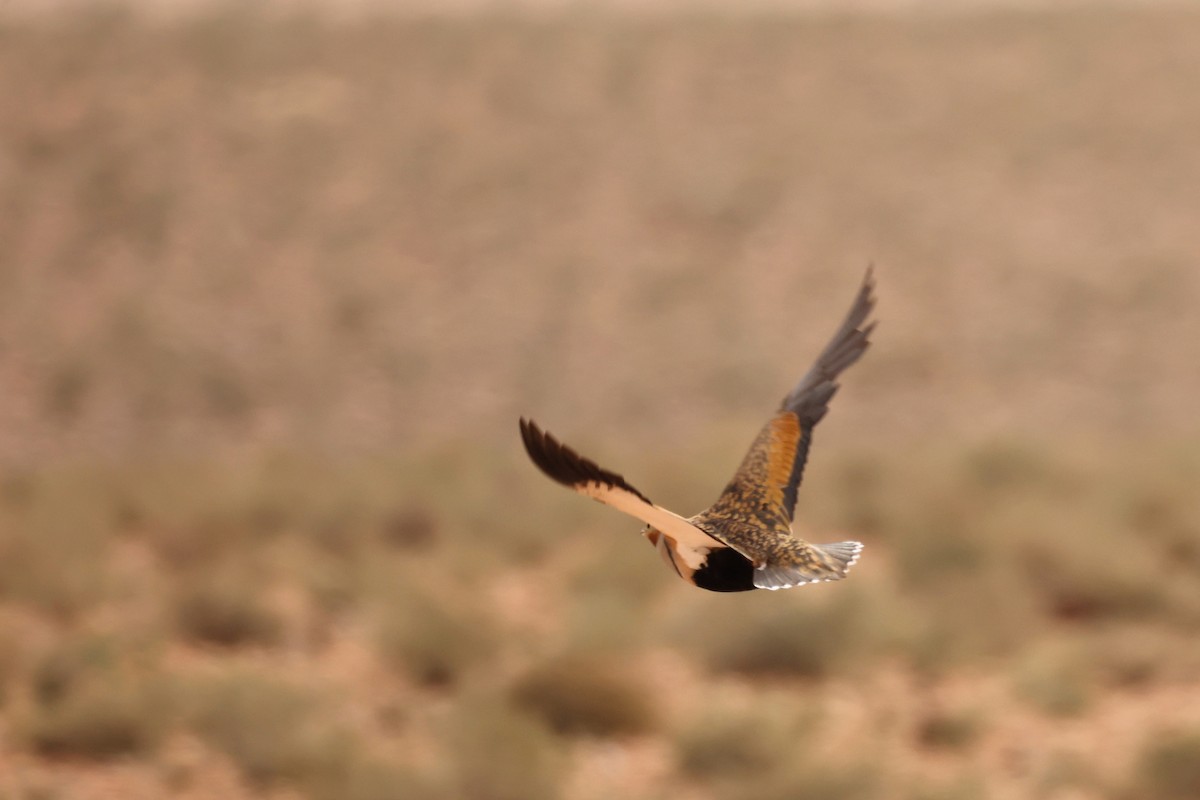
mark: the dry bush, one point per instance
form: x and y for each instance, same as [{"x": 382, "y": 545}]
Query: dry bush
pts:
[
  {"x": 1003, "y": 540},
  {"x": 1066, "y": 771},
  {"x": 90, "y": 701},
  {"x": 808, "y": 778},
  {"x": 1056, "y": 678},
  {"x": 810, "y": 633},
  {"x": 1167, "y": 768},
  {"x": 430, "y": 638},
  {"x": 620, "y": 561},
  {"x": 99, "y": 720},
  {"x": 585, "y": 693},
  {"x": 361, "y": 777},
  {"x": 608, "y": 620},
  {"x": 860, "y": 489},
  {"x": 1090, "y": 585},
  {"x": 284, "y": 735},
  {"x": 204, "y": 249},
  {"x": 1080, "y": 564},
  {"x": 14, "y": 658},
  {"x": 54, "y": 540},
  {"x": 410, "y": 528},
  {"x": 614, "y": 591},
  {"x": 948, "y": 730},
  {"x": 225, "y": 609},
  {"x": 277, "y": 733},
  {"x": 1008, "y": 467},
  {"x": 500, "y": 753},
  {"x": 729, "y": 743},
  {"x": 1136, "y": 655},
  {"x": 968, "y": 787},
  {"x": 957, "y": 597}
]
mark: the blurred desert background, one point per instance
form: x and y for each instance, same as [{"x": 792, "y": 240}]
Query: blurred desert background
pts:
[{"x": 277, "y": 281}]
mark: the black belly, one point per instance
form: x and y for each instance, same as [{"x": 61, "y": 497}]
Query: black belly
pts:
[{"x": 725, "y": 570}]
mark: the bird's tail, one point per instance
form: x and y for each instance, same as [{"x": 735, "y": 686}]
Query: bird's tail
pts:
[{"x": 817, "y": 562}]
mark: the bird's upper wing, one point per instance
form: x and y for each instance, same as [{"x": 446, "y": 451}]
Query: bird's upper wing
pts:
[
  {"x": 763, "y": 490},
  {"x": 564, "y": 465}
]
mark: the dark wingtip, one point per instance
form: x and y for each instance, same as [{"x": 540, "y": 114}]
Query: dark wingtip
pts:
[
  {"x": 846, "y": 346},
  {"x": 563, "y": 465}
]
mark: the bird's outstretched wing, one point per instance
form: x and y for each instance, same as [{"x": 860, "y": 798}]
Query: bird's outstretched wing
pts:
[
  {"x": 564, "y": 465},
  {"x": 763, "y": 490}
]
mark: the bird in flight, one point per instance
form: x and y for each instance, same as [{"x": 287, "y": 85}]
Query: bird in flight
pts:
[{"x": 745, "y": 540}]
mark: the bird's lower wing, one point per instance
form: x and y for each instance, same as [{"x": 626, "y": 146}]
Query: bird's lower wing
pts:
[{"x": 563, "y": 465}]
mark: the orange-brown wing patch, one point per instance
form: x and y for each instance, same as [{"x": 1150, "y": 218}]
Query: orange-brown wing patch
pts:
[
  {"x": 783, "y": 436},
  {"x": 758, "y": 493}
]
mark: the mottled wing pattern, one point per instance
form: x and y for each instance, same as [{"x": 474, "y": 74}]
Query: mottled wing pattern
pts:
[
  {"x": 795, "y": 563},
  {"x": 563, "y": 465},
  {"x": 754, "y": 513},
  {"x": 757, "y": 495}
]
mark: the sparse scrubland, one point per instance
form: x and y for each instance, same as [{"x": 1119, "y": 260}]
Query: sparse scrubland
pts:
[{"x": 274, "y": 290}]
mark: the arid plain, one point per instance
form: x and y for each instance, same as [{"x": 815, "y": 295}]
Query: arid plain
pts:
[{"x": 274, "y": 289}]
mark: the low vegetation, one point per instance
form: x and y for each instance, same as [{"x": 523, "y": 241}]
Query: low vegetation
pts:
[
  {"x": 99, "y": 697},
  {"x": 731, "y": 743},
  {"x": 587, "y": 694},
  {"x": 90, "y": 698},
  {"x": 756, "y": 636},
  {"x": 948, "y": 730},
  {"x": 498, "y": 752},
  {"x": 226, "y": 611},
  {"x": 273, "y": 290},
  {"x": 1168, "y": 767},
  {"x": 432, "y": 640}
]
